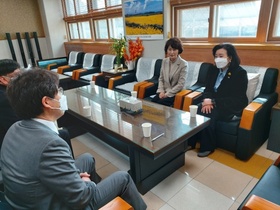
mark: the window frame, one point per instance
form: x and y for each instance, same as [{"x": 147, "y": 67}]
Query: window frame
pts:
[
  {"x": 272, "y": 24},
  {"x": 93, "y": 15},
  {"x": 79, "y": 34},
  {"x": 175, "y": 24},
  {"x": 262, "y": 27}
]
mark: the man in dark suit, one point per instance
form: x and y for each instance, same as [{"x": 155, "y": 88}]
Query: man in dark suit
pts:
[
  {"x": 224, "y": 96},
  {"x": 41, "y": 173},
  {"x": 8, "y": 70}
]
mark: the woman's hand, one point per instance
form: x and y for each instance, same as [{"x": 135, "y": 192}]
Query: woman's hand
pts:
[
  {"x": 207, "y": 106},
  {"x": 162, "y": 95}
]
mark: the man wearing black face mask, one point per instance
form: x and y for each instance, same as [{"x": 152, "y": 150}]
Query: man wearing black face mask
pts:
[{"x": 46, "y": 176}]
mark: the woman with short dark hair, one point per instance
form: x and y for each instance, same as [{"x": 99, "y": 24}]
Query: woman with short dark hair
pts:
[
  {"x": 224, "y": 96},
  {"x": 172, "y": 74}
]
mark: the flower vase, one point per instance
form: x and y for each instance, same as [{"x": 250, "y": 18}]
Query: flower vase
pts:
[
  {"x": 130, "y": 65},
  {"x": 118, "y": 65}
]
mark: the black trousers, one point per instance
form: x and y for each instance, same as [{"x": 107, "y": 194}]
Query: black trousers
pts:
[
  {"x": 169, "y": 101},
  {"x": 207, "y": 137}
]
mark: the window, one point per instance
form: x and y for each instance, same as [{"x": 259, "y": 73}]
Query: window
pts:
[
  {"x": 76, "y": 7},
  {"x": 243, "y": 21},
  {"x": 104, "y": 22},
  {"x": 73, "y": 28},
  {"x": 101, "y": 30},
  {"x": 80, "y": 30},
  {"x": 274, "y": 32},
  {"x": 193, "y": 22},
  {"x": 116, "y": 27},
  {"x": 236, "y": 19},
  {"x": 102, "y": 4}
]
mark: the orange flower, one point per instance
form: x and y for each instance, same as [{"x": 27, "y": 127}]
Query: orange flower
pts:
[{"x": 135, "y": 50}]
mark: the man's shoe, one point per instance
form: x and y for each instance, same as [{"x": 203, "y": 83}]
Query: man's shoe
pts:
[{"x": 204, "y": 154}]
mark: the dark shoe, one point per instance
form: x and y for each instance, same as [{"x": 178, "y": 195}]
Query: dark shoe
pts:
[
  {"x": 204, "y": 154},
  {"x": 96, "y": 179}
]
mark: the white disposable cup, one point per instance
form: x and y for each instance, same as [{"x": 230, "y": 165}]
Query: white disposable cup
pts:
[
  {"x": 147, "y": 127},
  {"x": 87, "y": 111},
  {"x": 92, "y": 84},
  {"x": 193, "y": 110},
  {"x": 134, "y": 94}
]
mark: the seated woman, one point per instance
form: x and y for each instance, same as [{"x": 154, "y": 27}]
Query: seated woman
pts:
[
  {"x": 172, "y": 74},
  {"x": 224, "y": 96}
]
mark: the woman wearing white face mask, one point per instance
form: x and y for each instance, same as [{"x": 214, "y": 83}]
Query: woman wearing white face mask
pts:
[{"x": 224, "y": 96}]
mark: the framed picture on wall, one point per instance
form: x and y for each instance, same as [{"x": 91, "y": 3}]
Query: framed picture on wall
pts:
[{"x": 143, "y": 19}]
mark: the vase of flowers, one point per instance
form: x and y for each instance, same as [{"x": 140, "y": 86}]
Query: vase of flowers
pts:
[
  {"x": 118, "y": 47},
  {"x": 135, "y": 50}
]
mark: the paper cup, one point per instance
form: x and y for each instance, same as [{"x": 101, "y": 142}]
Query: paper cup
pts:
[
  {"x": 87, "y": 111},
  {"x": 134, "y": 94},
  {"x": 147, "y": 127},
  {"x": 193, "y": 110},
  {"x": 92, "y": 84}
]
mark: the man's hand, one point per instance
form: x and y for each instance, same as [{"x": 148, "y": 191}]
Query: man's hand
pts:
[{"x": 85, "y": 176}]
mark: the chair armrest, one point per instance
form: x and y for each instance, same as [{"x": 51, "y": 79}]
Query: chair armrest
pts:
[
  {"x": 77, "y": 73},
  {"x": 125, "y": 79},
  {"x": 142, "y": 89},
  {"x": 83, "y": 72},
  {"x": 51, "y": 66},
  {"x": 112, "y": 81},
  {"x": 97, "y": 77},
  {"x": 137, "y": 85},
  {"x": 248, "y": 115},
  {"x": 189, "y": 99},
  {"x": 61, "y": 69},
  {"x": 116, "y": 204},
  {"x": 254, "y": 125},
  {"x": 179, "y": 97},
  {"x": 256, "y": 202}
]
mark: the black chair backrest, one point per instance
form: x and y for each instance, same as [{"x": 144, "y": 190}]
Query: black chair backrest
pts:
[
  {"x": 157, "y": 67},
  {"x": 269, "y": 81},
  {"x": 203, "y": 71}
]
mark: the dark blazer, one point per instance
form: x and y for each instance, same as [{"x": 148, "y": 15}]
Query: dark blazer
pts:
[
  {"x": 230, "y": 97},
  {"x": 7, "y": 114}
]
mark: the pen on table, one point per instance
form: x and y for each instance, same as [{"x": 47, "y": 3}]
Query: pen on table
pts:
[{"x": 155, "y": 138}]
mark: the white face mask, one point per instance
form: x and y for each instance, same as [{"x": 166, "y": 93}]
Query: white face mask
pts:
[
  {"x": 63, "y": 103},
  {"x": 221, "y": 62}
]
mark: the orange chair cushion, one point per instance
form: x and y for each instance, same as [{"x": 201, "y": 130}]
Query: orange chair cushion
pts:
[{"x": 117, "y": 204}]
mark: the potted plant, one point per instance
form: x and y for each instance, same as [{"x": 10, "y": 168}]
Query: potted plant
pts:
[
  {"x": 135, "y": 50},
  {"x": 118, "y": 47}
]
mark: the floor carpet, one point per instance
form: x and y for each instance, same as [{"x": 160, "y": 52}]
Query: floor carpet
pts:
[{"x": 255, "y": 166}]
